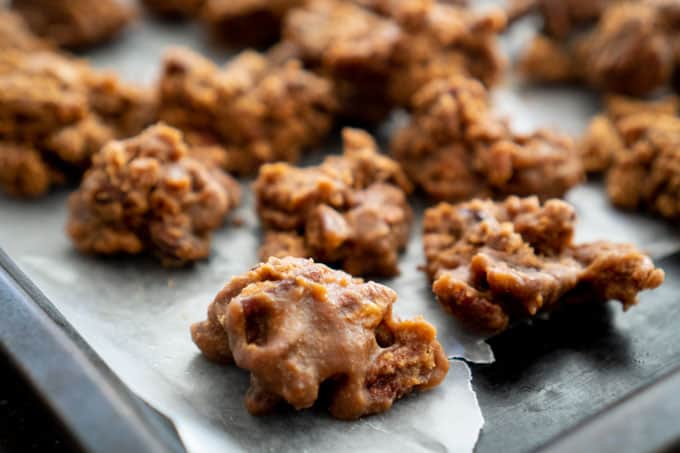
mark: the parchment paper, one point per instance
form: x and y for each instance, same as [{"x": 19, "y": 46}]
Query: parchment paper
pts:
[{"x": 137, "y": 315}]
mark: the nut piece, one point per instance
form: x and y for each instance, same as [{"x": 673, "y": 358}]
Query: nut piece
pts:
[
  {"x": 454, "y": 148},
  {"x": 378, "y": 53},
  {"x": 492, "y": 263},
  {"x": 252, "y": 111},
  {"x": 145, "y": 194},
  {"x": 55, "y": 112},
  {"x": 307, "y": 332},
  {"x": 350, "y": 210},
  {"x": 75, "y": 23}
]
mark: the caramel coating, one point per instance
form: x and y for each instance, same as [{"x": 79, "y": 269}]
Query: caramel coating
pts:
[
  {"x": 236, "y": 22},
  {"x": 247, "y": 22},
  {"x": 281, "y": 244},
  {"x": 174, "y": 8},
  {"x": 39, "y": 98},
  {"x": 306, "y": 332},
  {"x": 15, "y": 34},
  {"x": 600, "y": 144},
  {"x": 146, "y": 194},
  {"x": 636, "y": 144},
  {"x": 126, "y": 108},
  {"x": 619, "y": 107},
  {"x": 560, "y": 17},
  {"x": 492, "y": 263},
  {"x": 646, "y": 174},
  {"x": 40, "y": 92},
  {"x": 350, "y": 210},
  {"x": 252, "y": 111},
  {"x": 454, "y": 148},
  {"x": 547, "y": 60},
  {"x": 628, "y": 52},
  {"x": 59, "y": 111},
  {"x": 75, "y": 23},
  {"x": 23, "y": 172},
  {"x": 378, "y": 53},
  {"x": 604, "y": 141},
  {"x": 632, "y": 49}
]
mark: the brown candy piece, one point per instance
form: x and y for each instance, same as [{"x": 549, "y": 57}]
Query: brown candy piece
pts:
[
  {"x": 251, "y": 111},
  {"x": 306, "y": 332},
  {"x": 605, "y": 139},
  {"x": 55, "y": 112},
  {"x": 75, "y": 23},
  {"x": 247, "y": 22},
  {"x": 378, "y": 53},
  {"x": 23, "y": 172},
  {"x": 633, "y": 47},
  {"x": 350, "y": 210},
  {"x": 629, "y": 52},
  {"x": 646, "y": 174},
  {"x": 455, "y": 148},
  {"x": 492, "y": 263},
  {"x": 174, "y": 8},
  {"x": 635, "y": 143},
  {"x": 16, "y": 35},
  {"x": 146, "y": 194},
  {"x": 560, "y": 17},
  {"x": 547, "y": 60}
]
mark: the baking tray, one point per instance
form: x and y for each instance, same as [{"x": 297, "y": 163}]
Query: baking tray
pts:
[
  {"x": 95, "y": 409},
  {"x": 113, "y": 418},
  {"x": 547, "y": 375}
]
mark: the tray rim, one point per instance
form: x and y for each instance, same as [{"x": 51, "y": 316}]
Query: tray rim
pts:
[{"x": 41, "y": 344}]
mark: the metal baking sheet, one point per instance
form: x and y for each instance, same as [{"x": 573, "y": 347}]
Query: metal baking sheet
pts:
[{"x": 136, "y": 315}]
